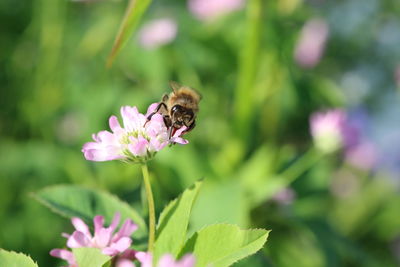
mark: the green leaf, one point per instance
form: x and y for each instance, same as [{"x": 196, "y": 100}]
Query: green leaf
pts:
[
  {"x": 222, "y": 245},
  {"x": 173, "y": 223},
  {"x": 90, "y": 257},
  {"x": 75, "y": 201},
  {"x": 224, "y": 193},
  {"x": 14, "y": 259},
  {"x": 133, "y": 14}
]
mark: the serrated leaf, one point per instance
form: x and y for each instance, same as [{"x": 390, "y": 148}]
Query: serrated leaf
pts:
[
  {"x": 14, "y": 259},
  {"x": 75, "y": 201},
  {"x": 173, "y": 223},
  {"x": 223, "y": 193},
  {"x": 133, "y": 14},
  {"x": 90, "y": 257},
  {"x": 221, "y": 245}
]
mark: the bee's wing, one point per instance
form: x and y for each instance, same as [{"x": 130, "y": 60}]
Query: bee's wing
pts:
[{"x": 175, "y": 86}]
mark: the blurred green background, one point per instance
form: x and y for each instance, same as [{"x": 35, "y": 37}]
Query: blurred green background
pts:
[{"x": 252, "y": 133}]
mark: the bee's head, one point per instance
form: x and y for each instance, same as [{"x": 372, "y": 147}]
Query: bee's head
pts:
[{"x": 182, "y": 116}]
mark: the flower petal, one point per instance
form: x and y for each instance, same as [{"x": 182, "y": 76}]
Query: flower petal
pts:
[
  {"x": 179, "y": 140},
  {"x": 102, "y": 237},
  {"x": 118, "y": 247},
  {"x": 157, "y": 145},
  {"x": 133, "y": 120},
  {"x": 176, "y": 137},
  {"x": 98, "y": 222},
  {"x": 106, "y": 147},
  {"x": 139, "y": 146},
  {"x": 144, "y": 258},
  {"x": 151, "y": 109},
  {"x": 166, "y": 261},
  {"x": 156, "y": 126},
  {"x": 63, "y": 254},
  {"x": 78, "y": 239},
  {"x": 114, "y": 125},
  {"x": 109, "y": 251},
  {"x": 124, "y": 263},
  {"x": 126, "y": 230},
  {"x": 65, "y": 235},
  {"x": 115, "y": 221},
  {"x": 187, "y": 261},
  {"x": 107, "y": 138},
  {"x": 103, "y": 154},
  {"x": 80, "y": 225}
]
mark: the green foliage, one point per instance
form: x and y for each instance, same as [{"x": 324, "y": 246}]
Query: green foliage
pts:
[
  {"x": 133, "y": 14},
  {"x": 219, "y": 245},
  {"x": 90, "y": 257},
  {"x": 222, "y": 245},
  {"x": 249, "y": 60},
  {"x": 173, "y": 223},
  {"x": 252, "y": 133},
  {"x": 70, "y": 201},
  {"x": 14, "y": 259}
]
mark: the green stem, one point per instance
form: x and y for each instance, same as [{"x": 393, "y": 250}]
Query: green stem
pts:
[
  {"x": 150, "y": 201},
  {"x": 306, "y": 161},
  {"x": 248, "y": 66}
]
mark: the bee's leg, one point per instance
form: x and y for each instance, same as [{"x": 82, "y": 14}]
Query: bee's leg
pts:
[
  {"x": 167, "y": 121},
  {"x": 170, "y": 129},
  {"x": 171, "y": 132},
  {"x": 159, "y": 106},
  {"x": 190, "y": 127}
]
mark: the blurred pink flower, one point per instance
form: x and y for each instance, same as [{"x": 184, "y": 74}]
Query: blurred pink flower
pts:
[
  {"x": 362, "y": 155},
  {"x": 397, "y": 75},
  {"x": 311, "y": 43},
  {"x": 327, "y": 129},
  {"x": 104, "y": 238},
  {"x": 138, "y": 141},
  {"x": 125, "y": 259},
  {"x": 124, "y": 262},
  {"x": 284, "y": 196},
  {"x": 211, "y": 9},
  {"x": 166, "y": 261},
  {"x": 157, "y": 33}
]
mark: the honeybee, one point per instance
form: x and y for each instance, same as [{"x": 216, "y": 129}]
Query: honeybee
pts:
[{"x": 179, "y": 108}]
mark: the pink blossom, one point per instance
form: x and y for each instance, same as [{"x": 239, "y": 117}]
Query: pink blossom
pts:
[
  {"x": 65, "y": 255},
  {"x": 157, "y": 33},
  {"x": 211, "y": 9},
  {"x": 166, "y": 260},
  {"x": 284, "y": 196},
  {"x": 104, "y": 238},
  {"x": 327, "y": 129},
  {"x": 397, "y": 75},
  {"x": 138, "y": 141},
  {"x": 362, "y": 155},
  {"x": 124, "y": 263},
  {"x": 311, "y": 44}
]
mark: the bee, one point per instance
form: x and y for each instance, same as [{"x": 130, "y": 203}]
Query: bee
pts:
[{"x": 179, "y": 108}]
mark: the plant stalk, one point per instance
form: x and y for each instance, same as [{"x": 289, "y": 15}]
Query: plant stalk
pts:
[
  {"x": 150, "y": 202},
  {"x": 304, "y": 163}
]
